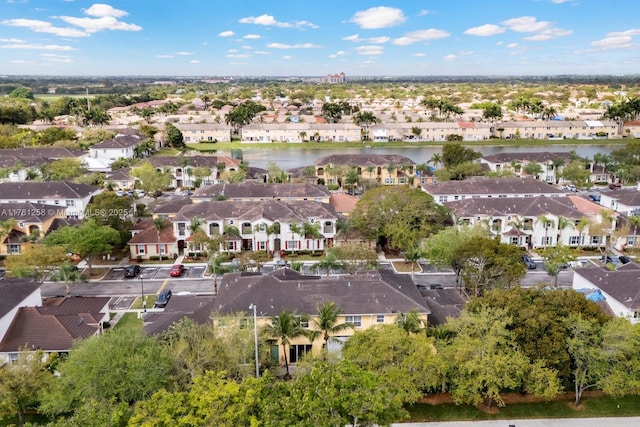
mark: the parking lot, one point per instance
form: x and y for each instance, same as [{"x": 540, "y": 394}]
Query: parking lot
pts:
[{"x": 156, "y": 273}]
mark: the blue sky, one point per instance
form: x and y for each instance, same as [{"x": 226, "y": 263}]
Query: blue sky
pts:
[{"x": 312, "y": 38}]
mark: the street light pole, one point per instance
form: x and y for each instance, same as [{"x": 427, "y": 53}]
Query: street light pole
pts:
[
  {"x": 144, "y": 301},
  {"x": 255, "y": 336}
]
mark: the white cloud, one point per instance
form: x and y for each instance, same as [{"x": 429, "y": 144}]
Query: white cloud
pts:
[
  {"x": 252, "y": 36},
  {"x": 352, "y": 38},
  {"x": 232, "y": 51},
  {"x": 378, "y": 17},
  {"x": 420, "y": 35},
  {"x": 246, "y": 47},
  {"x": 45, "y": 27},
  {"x": 92, "y": 25},
  {"x": 292, "y": 46},
  {"x": 549, "y": 34},
  {"x": 379, "y": 40},
  {"x": 631, "y": 32},
  {"x": 270, "y": 21},
  {"x": 36, "y": 46},
  {"x": 450, "y": 58},
  {"x": 619, "y": 42},
  {"x": 20, "y": 61},
  {"x": 52, "y": 57},
  {"x": 526, "y": 24},
  {"x": 341, "y": 53},
  {"x": 262, "y": 52},
  {"x": 164, "y": 56},
  {"x": 12, "y": 41},
  {"x": 183, "y": 53},
  {"x": 194, "y": 61},
  {"x": 485, "y": 30},
  {"x": 287, "y": 57},
  {"x": 227, "y": 33},
  {"x": 102, "y": 10},
  {"x": 239, "y": 55},
  {"x": 424, "y": 12},
  {"x": 369, "y": 50},
  {"x": 419, "y": 55}
]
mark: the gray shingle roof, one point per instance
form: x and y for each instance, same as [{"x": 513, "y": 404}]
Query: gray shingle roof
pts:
[
  {"x": 622, "y": 284},
  {"x": 364, "y": 160},
  {"x": 365, "y": 293},
  {"x": 13, "y": 292},
  {"x": 523, "y": 206},
  {"x": 45, "y": 190},
  {"x": 481, "y": 185},
  {"x": 542, "y": 157},
  {"x": 258, "y": 190}
]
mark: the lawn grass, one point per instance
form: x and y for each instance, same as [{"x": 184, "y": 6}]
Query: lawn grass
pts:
[
  {"x": 128, "y": 320},
  {"x": 596, "y": 406},
  {"x": 405, "y": 267},
  {"x": 137, "y": 304}
]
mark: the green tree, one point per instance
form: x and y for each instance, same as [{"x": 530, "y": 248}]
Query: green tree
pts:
[
  {"x": 35, "y": 261},
  {"x": 365, "y": 119},
  {"x": 150, "y": 178},
  {"x": 65, "y": 169},
  {"x": 577, "y": 173},
  {"x": 160, "y": 224},
  {"x": 486, "y": 362},
  {"x": 284, "y": 327},
  {"x": 331, "y": 112},
  {"x": 533, "y": 169},
  {"x": 174, "y": 136},
  {"x": 489, "y": 264},
  {"x": 556, "y": 258},
  {"x": 122, "y": 366},
  {"x": 411, "y": 322},
  {"x": 584, "y": 345},
  {"x": 330, "y": 262},
  {"x": 455, "y": 154},
  {"x": 398, "y": 216},
  {"x": 21, "y": 92},
  {"x": 107, "y": 208},
  {"x": 21, "y": 383},
  {"x": 326, "y": 324},
  {"x": 87, "y": 240}
]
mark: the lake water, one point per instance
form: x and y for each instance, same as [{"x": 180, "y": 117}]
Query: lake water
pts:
[{"x": 297, "y": 157}]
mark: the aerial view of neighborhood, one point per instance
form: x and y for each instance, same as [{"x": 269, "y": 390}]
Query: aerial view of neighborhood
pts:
[{"x": 270, "y": 215}]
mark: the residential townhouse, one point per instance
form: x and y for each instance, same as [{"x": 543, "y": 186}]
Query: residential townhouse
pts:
[
  {"x": 551, "y": 163},
  {"x": 487, "y": 187},
  {"x": 30, "y": 221},
  {"x": 620, "y": 288},
  {"x": 71, "y": 198},
  {"x": 558, "y": 129},
  {"x": 430, "y": 131},
  {"x": 123, "y": 145},
  {"x": 257, "y": 191},
  {"x": 537, "y": 222},
  {"x": 21, "y": 164},
  {"x": 269, "y": 225},
  {"x": 204, "y": 132},
  {"x": 50, "y": 326},
  {"x": 183, "y": 173},
  {"x": 625, "y": 201},
  {"x": 149, "y": 241},
  {"x": 367, "y": 299},
  {"x": 386, "y": 169},
  {"x": 300, "y": 132},
  {"x": 120, "y": 179}
]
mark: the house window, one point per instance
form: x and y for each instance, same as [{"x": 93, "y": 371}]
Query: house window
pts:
[
  {"x": 304, "y": 323},
  {"x": 163, "y": 249},
  {"x": 141, "y": 249},
  {"x": 296, "y": 351},
  {"x": 442, "y": 199},
  {"x": 14, "y": 249},
  {"x": 380, "y": 318},
  {"x": 574, "y": 240},
  {"x": 57, "y": 202},
  {"x": 546, "y": 240},
  {"x": 262, "y": 246},
  {"x": 231, "y": 246},
  {"x": 595, "y": 240},
  {"x": 355, "y": 320},
  {"x": 389, "y": 181},
  {"x": 292, "y": 244}
]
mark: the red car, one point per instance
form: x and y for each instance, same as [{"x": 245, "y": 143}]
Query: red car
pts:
[{"x": 176, "y": 270}]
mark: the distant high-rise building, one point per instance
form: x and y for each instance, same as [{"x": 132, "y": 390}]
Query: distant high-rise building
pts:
[{"x": 333, "y": 78}]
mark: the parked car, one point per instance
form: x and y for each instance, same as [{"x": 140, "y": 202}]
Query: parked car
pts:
[
  {"x": 572, "y": 187},
  {"x": 176, "y": 270},
  {"x": 132, "y": 271},
  {"x": 436, "y": 286},
  {"x": 624, "y": 259},
  {"x": 528, "y": 261},
  {"x": 608, "y": 259},
  {"x": 594, "y": 198},
  {"x": 163, "y": 298},
  {"x": 614, "y": 186}
]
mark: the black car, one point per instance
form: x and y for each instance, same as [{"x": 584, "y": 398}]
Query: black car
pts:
[
  {"x": 528, "y": 261},
  {"x": 624, "y": 259},
  {"x": 132, "y": 271},
  {"x": 163, "y": 299}
]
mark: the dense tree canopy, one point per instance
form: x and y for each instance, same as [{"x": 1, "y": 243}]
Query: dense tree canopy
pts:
[{"x": 398, "y": 216}]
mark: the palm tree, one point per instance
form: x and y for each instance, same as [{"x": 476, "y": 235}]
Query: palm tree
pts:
[
  {"x": 547, "y": 223},
  {"x": 557, "y": 163},
  {"x": 5, "y": 229},
  {"x": 312, "y": 231},
  {"x": 327, "y": 323},
  {"x": 329, "y": 263},
  {"x": 68, "y": 273},
  {"x": 273, "y": 229},
  {"x": 295, "y": 229},
  {"x": 436, "y": 159},
  {"x": 410, "y": 322},
  {"x": 159, "y": 225},
  {"x": 284, "y": 327},
  {"x": 582, "y": 224},
  {"x": 562, "y": 224}
]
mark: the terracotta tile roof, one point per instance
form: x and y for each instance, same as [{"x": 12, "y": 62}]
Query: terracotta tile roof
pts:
[
  {"x": 343, "y": 203},
  {"x": 365, "y": 293},
  {"x": 585, "y": 206}
]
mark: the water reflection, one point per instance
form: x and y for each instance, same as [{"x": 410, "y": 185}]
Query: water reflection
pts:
[{"x": 291, "y": 158}]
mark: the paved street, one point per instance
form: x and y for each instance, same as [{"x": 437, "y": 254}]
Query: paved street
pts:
[{"x": 560, "y": 422}]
